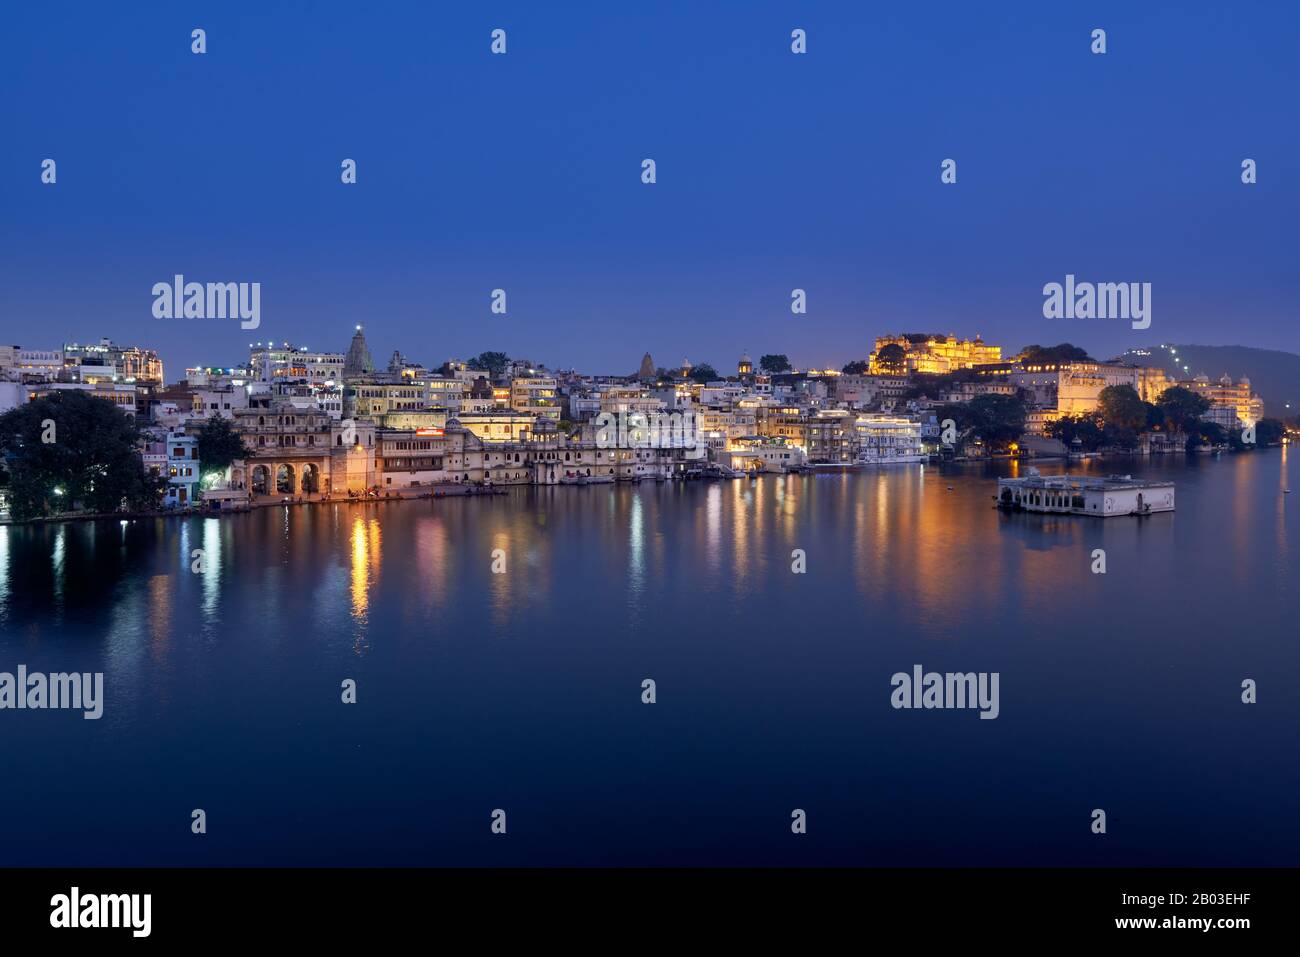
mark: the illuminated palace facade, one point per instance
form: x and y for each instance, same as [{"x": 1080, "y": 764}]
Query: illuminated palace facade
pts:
[
  {"x": 934, "y": 353},
  {"x": 1225, "y": 394},
  {"x": 296, "y": 451}
]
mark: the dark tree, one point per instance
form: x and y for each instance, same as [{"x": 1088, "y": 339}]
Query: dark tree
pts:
[
  {"x": 219, "y": 445},
  {"x": 997, "y": 419},
  {"x": 1201, "y": 432},
  {"x": 892, "y": 356},
  {"x": 772, "y": 364},
  {"x": 933, "y": 384},
  {"x": 1086, "y": 428},
  {"x": 1000, "y": 419},
  {"x": 69, "y": 451},
  {"x": 1122, "y": 408},
  {"x": 493, "y": 363},
  {"x": 703, "y": 373},
  {"x": 1182, "y": 407},
  {"x": 857, "y": 367},
  {"x": 1269, "y": 432},
  {"x": 1051, "y": 355}
]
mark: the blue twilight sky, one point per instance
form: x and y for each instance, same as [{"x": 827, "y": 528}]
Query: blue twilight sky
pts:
[{"x": 522, "y": 171}]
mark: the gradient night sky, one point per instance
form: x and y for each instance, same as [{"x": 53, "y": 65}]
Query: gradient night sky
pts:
[{"x": 523, "y": 171}]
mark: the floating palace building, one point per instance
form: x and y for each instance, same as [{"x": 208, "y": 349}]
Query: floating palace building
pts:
[{"x": 1085, "y": 495}]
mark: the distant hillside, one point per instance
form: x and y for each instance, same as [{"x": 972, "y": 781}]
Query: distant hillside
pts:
[{"x": 1274, "y": 375}]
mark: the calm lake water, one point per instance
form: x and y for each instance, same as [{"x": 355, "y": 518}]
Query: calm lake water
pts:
[{"x": 522, "y": 691}]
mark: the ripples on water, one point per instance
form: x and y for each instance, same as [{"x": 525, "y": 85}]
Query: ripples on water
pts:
[{"x": 522, "y": 690}]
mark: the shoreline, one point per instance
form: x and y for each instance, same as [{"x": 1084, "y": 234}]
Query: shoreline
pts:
[
  {"x": 459, "y": 490},
  {"x": 267, "y": 501}
]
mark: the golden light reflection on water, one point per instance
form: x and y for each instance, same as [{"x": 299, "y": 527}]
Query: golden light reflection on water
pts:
[
  {"x": 433, "y": 559},
  {"x": 787, "y": 503},
  {"x": 160, "y": 617},
  {"x": 1284, "y": 484},
  {"x": 499, "y": 584},
  {"x": 366, "y": 551},
  {"x": 745, "y": 516},
  {"x": 936, "y": 545},
  {"x": 713, "y": 531}
]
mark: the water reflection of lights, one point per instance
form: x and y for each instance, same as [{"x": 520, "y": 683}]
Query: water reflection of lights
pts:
[
  {"x": 636, "y": 546},
  {"x": 211, "y": 567},
  {"x": 365, "y": 564},
  {"x": 498, "y": 583},
  {"x": 4, "y": 567},
  {"x": 57, "y": 561},
  {"x": 160, "y": 617}
]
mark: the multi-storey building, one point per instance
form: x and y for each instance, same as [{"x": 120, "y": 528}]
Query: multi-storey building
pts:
[
  {"x": 38, "y": 363},
  {"x": 446, "y": 392},
  {"x": 934, "y": 353},
  {"x": 832, "y": 436},
  {"x": 497, "y": 426},
  {"x": 107, "y": 361},
  {"x": 1245, "y": 406},
  {"x": 121, "y": 394},
  {"x": 410, "y": 459},
  {"x": 269, "y": 362},
  {"x": 535, "y": 395},
  {"x": 756, "y": 453},
  {"x": 369, "y": 397},
  {"x": 888, "y": 439},
  {"x": 784, "y": 422},
  {"x": 728, "y": 423},
  {"x": 1073, "y": 388},
  {"x": 420, "y": 419},
  {"x": 214, "y": 401},
  {"x": 721, "y": 394},
  {"x": 183, "y": 470},
  {"x": 293, "y": 451},
  {"x": 960, "y": 392},
  {"x": 629, "y": 400}
]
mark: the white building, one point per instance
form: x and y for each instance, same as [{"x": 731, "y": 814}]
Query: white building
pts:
[
  {"x": 270, "y": 362},
  {"x": 888, "y": 440},
  {"x": 12, "y": 395},
  {"x": 219, "y": 402},
  {"x": 1085, "y": 495},
  {"x": 183, "y": 471},
  {"x": 756, "y": 453}
]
